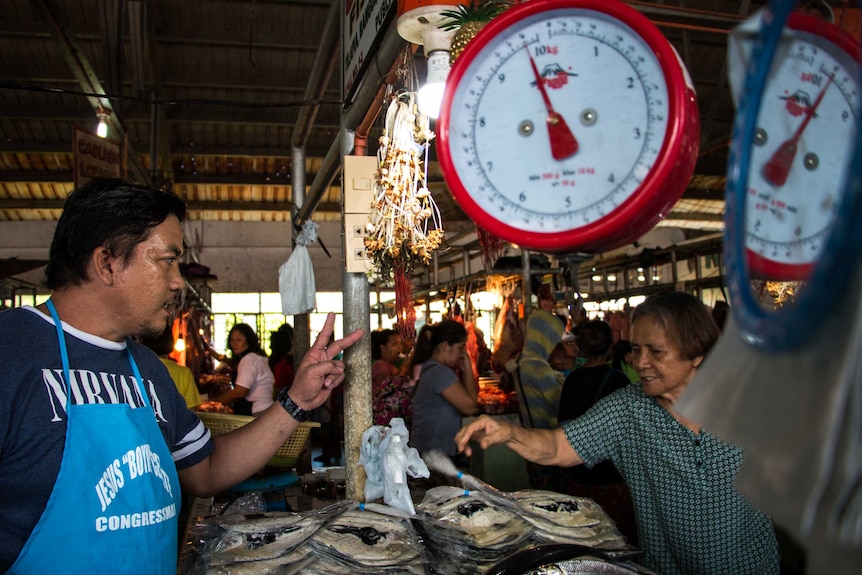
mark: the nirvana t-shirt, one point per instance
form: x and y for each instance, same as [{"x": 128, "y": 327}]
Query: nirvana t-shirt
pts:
[{"x": 33, "y": 411}]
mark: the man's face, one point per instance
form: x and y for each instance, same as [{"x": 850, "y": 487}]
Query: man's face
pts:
[{"x": 149, "y": 282}]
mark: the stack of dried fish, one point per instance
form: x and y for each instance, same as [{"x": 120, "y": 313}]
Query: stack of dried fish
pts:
[
  {"x": 464, "y": 532},
  {"x": 369, "y": 542},
  {"x": 338, "y": 539},
  {"x": 560, "y": 518},
  {"x": 260, "y": 542},
  {"x": 469, "y": 531}
]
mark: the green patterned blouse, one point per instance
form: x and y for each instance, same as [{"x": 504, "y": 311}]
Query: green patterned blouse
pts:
[{"x": 691, "y": 520}]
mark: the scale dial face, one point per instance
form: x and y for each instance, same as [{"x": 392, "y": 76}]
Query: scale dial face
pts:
[
  {"x": 568, "y": 125},
  {"x": 801, "y": 150}
]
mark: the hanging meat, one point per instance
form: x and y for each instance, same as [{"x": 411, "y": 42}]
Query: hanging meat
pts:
[{"x": 508, "y": 340}]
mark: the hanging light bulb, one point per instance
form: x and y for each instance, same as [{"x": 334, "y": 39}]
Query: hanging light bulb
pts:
[
  {"x": 431, "y": 94},
  {"x": 102, "y": 129},
  {"x": 180, "y": 344},
  {"x": 419, "y": 23}
]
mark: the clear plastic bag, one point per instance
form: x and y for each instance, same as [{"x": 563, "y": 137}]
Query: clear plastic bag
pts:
[
  {"x": 388, "y": 461},
  {"x": 797, "y": 416},
  {"x": 296, "y": 275}
]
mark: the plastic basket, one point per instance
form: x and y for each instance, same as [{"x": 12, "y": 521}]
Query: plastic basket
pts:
[{"x": 287, "y": 454}]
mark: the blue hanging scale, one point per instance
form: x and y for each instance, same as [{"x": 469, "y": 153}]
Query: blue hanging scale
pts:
[{"x": 793, "y": 203}]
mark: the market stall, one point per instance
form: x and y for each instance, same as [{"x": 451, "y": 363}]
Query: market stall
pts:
[
  {"x": 524, "y": 199},
  {"x": 453, "y": 531}
]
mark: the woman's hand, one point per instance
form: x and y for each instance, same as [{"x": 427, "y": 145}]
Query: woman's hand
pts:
[
  {"x": 235, "y": 393},
  {"x": 485, "y": 431},
  {"x": 464, "y": 362},
  {"x": 318, "y": 372},
  {"x": 542, "y": 446}
]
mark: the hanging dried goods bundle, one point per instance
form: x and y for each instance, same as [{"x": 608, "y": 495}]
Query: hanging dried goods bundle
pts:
[{"x": 405, "y": 226}]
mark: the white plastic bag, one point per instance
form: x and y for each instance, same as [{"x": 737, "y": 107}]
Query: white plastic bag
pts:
[
  {"x": 399, "y": 461},
  {"x": 369, "y": 457},
  {"x": 296, "y": 275},
  {"x": 388, "y": 461}
]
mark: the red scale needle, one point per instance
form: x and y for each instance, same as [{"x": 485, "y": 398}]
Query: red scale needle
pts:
[
  {"x": 777, "y": 168},
  {"x": 563, "y": 142}
]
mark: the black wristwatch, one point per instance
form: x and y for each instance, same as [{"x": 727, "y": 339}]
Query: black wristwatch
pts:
[{"x": 291, "y": 408}]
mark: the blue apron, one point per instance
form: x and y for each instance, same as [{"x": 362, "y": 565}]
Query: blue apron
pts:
[{"x": 117, "y": 495}]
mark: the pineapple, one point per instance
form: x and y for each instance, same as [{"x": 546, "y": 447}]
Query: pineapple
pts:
[{"x": 468, "y": 20}]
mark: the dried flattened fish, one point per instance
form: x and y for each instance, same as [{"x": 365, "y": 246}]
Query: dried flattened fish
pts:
[
  {"x": 566, "y": 519},
  {"x": 369, "y": 538},
  {"x": 261, "y": 538},
  {"x": 469, "y": 513},
  {"x": 559, "y": 509}
]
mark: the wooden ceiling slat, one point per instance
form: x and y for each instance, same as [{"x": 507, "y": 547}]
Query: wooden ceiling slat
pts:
[{"x": 235, "y": 73}]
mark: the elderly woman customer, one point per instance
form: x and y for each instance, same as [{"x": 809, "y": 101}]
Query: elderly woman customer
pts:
[{"x": 690, "y": 518}]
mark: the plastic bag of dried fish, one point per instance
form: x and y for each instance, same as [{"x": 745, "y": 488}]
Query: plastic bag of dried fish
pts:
[
  {"x": 370, "y": 542},
  {"x": 485, "y": 523},
  {"x": 193, "y": 558},
  {"x": 564, "y": 518},
  {"x": 263, "y": 536},
  {"x": 468, "y": 529}
]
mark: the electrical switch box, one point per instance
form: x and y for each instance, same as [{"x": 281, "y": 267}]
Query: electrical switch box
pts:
[
  {"x": 358, "y": 181},
  {"x": 356, "y": 258},
  {"x": 358, "y": 178}
]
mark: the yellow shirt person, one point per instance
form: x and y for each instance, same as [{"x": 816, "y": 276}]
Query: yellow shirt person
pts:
[{"x": 185, "y": 381}]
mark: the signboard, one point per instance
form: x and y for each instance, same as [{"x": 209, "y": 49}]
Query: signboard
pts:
[
  {"x": 95, "y": 157},
  {"x": 365, "y": 21}
]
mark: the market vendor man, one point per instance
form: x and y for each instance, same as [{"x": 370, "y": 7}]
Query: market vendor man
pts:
[
  {"x": 690, "y": 519},
  {"x": 95, "y": 440}
]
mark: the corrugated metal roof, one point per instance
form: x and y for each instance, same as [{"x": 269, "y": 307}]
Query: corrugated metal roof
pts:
[{"x": 226, "y": 80}]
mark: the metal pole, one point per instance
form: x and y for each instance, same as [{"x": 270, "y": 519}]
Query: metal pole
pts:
[
  {"x": 526, "y": 289},
  {"x": 358, "y": 412},
  {"x": 357, "y": 382},
  {"x": 301, "y": 330}
]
